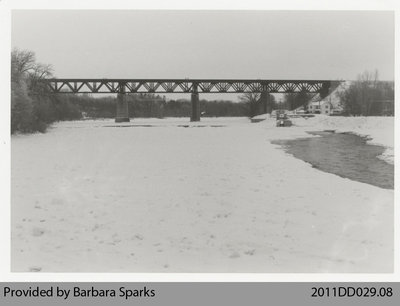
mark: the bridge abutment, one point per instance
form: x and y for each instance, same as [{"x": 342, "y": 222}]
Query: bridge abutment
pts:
[
  {"x": 195, "y": 104},
  {"x": 122, "y": 114}
]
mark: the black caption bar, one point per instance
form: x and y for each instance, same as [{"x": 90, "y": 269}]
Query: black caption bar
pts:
[{"x": 201, "y": 294}]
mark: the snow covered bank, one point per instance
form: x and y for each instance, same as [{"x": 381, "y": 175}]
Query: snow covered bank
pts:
[
  {"x": 91, "y": 197},
  {"x": 380, "y": 130}
]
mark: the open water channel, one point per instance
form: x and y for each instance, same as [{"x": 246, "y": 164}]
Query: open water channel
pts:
[{"x": 343, "y": 154}]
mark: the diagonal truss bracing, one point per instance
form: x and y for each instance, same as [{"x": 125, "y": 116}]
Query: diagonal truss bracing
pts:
[{"x": 184, "y": 86}]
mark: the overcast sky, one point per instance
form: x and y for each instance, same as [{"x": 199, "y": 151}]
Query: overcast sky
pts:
[{"x": 208, "y": 44}]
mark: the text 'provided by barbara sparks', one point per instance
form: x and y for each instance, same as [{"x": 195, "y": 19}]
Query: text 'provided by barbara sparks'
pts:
[{"x": 78, "y": 292}]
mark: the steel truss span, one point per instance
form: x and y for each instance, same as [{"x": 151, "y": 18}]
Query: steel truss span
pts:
[{"x": 185, "y": 86}]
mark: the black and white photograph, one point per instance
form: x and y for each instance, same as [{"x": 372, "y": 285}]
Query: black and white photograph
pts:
[{"x": 202, "y": 141}]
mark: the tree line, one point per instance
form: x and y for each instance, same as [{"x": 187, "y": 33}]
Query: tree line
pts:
[
  {"x": 368, "y": 96},
  {"x": 155, "y": 106},
  {"x": 293, "y": 101},
  {"x": 33, "y": 107}
]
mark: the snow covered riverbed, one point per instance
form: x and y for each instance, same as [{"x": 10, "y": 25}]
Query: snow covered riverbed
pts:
[{"x": 173, "y": 196}]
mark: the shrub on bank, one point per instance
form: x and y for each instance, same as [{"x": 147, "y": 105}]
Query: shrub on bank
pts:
[{"x": 32, "y": 107}]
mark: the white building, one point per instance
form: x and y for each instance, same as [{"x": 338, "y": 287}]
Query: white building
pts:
[
  {"x": 329, "y": 105},
  {"x": 320, "y": 107}
]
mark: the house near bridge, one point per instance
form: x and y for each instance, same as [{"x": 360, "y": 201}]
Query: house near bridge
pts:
[
  {"x": 330, "y": 105},
  {"x": 320, "y": 107}
]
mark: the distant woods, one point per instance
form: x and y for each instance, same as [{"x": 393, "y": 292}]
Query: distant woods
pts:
[
  {"x": 254, "y": 103},
  {"x": 33, "y": 107},
  {"x": 293, "y": 101},
  {"x": 154, "y": 106},
  {"x": 368, "y": 96}
]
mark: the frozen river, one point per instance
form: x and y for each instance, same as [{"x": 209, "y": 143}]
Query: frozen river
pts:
[{"x": 168, "y": 196}]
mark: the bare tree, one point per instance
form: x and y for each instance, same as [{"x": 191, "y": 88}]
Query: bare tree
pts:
[
  {"x": 367, "y": 83},
  {"x": 295, "y": 100},
  {"x": 38, "y": 72},
  {"x": 30, "y": 108},
  {"x": 360, "y": 97},
  {"x": 22, "y": 61},
  {"x": 24, "y": 67},
  {"x": 251, "y": 98}
]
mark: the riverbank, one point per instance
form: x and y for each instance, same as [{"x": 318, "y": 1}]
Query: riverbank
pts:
[
  {"x": 378, "y": 130},
  {"x": 343, "y": 154},
  {"x": 171, "y": 197}
]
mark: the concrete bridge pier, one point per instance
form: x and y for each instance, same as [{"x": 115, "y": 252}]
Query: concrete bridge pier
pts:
[
  {"x": 195, "y": 104},
  {"x": 266, "y": 104},
  {"x": 122, "y": 105}
]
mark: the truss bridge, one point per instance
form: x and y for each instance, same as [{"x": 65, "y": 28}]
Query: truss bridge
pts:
[{"x": 192, "y": 86}]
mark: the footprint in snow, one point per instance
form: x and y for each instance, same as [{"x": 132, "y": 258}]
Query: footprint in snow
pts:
[
  {"x": 37, "y": 232},
  {"x": 234, "y": 255},
  {"x": 35, "y": 269},
  {"x": 250, "y": 252}
]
